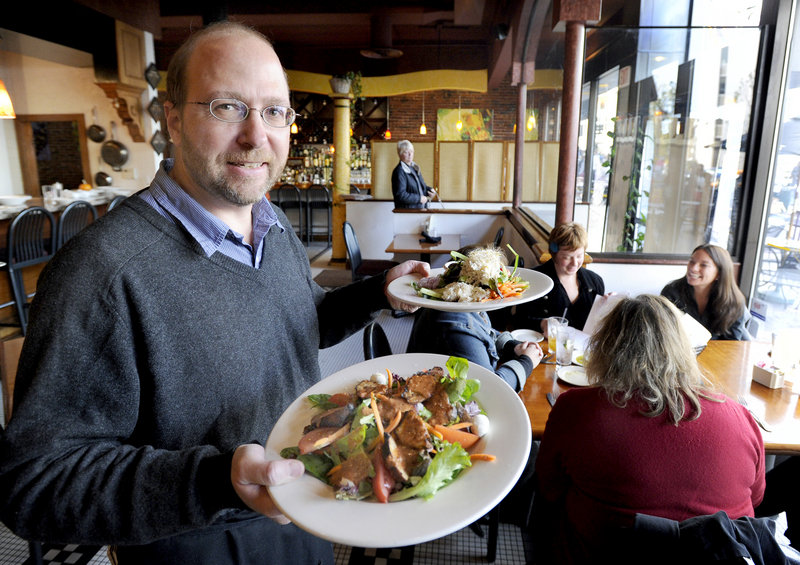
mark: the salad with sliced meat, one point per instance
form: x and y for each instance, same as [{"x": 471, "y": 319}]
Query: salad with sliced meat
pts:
[
  {"x": 392, "y": 437},
  {"x": 478, "y": 276}
]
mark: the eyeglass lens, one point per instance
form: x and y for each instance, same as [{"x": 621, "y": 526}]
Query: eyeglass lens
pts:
[{"x": 232, "y": 110}]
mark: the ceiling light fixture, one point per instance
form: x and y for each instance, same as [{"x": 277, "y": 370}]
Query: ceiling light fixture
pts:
[
  {"x": 422, "y": 129},
  {"x": 387, "y": 134}
]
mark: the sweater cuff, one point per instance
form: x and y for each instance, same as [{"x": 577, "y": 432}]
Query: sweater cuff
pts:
[{"x": 214, "y": 485}]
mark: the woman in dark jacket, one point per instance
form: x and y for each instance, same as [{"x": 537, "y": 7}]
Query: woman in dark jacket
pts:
[
  {"x": 408, "y": 186},
  {"x": 709, "y": 294},
  {"x": 574, "y": 286}
]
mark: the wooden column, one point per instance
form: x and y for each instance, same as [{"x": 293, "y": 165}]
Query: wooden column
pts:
[
  {"x": 341, "y": 172},
  {"x": 570, "y": 117},
  {"x": 575, "y": 14},
  {"x": 519, "y": 142}
]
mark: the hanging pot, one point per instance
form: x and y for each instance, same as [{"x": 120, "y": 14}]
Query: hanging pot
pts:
[
  {"x": 103, "y": 179},
  {"x": 96, "y": 132},
  {"x": 113, "y": 152}
]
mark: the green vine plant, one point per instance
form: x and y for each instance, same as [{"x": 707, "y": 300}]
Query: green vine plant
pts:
[{"x": 635, "y": 221}]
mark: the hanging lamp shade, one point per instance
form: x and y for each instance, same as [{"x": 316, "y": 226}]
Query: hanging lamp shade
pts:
[
  {"x": 6, "y": 108},
  {"x": 422, "y": 129}
]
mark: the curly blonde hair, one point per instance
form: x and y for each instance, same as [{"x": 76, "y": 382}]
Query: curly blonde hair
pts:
[{"x": 642, "y": 352}]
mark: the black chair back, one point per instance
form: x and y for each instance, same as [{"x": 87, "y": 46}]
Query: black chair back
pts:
[
  {"x": 288, "y": 198},
  {"x": 498, "y": 238},
  {"x": 74, "y": 218},
  {"x": 318, "y": 212},
  {"x": 117, "y": 200},
  {"x": 376, "y": 344},
  {"x": 353, "y": 250},
  {"x": 31, "y": 240}
]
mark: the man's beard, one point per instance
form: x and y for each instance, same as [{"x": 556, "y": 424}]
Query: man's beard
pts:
[{"x": 211, "y": 175}]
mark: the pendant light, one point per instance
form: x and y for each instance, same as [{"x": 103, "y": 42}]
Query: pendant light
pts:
[
  {"x": 422, "y": 129},
  {"x": 459, "y": 124},
  {"x": 531, "y": 123},
  {"x": 387, "y": 134},
  {"x": 6, "y": 108},
  {"x": 293, "y": 129}
]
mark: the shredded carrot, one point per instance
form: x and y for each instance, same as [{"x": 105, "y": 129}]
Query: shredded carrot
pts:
[
  {"x": 333, "y": 470},
  {"x": 482, "y": 457},
  {"x": 393, "y": 424},
  {"x": 432, "y": 431},
  {"x": 460, "y": 425},
  {"x": 378, "y": 421},
  {"x": 389, "y": 384}
]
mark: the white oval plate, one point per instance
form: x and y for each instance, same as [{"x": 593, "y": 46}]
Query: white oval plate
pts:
[
  {"x": 310, "y": 503},
  {"x": 572, "y": 375},
  {"x": 527, "y": 335},
  {"x": 401, "y": 289},
  {"x": 14, "y": 199}
]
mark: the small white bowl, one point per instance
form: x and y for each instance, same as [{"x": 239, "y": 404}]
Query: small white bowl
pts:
[
  {"x": 14, "y": 199},
  {"x": 527, "y": 335}
]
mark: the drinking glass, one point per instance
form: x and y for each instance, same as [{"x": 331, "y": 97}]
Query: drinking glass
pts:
[
  {"x": 564, "y": 345},
  {"x": 553, "y": 324}
]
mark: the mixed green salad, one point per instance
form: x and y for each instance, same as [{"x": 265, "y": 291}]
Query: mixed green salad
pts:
[
  {"x": 394, "y": 438},
  {"x": 478, "y": 276}
]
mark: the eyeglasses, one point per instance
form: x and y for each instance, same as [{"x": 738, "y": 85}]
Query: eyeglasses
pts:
[{"x": 232, "y": 110}]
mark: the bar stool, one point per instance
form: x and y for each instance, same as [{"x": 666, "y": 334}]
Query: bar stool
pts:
[
  {"x": 31, "y": 240},
  {"x": 74, "y": 218},
  {"x": 318, "y": 213},
  {"x": 289, "y": 199}
]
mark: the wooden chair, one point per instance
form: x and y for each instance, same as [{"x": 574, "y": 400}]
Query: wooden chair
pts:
[
  {"x": 31, "y": 240},
  {"x": 76, "y": 216},
  {"x": 10, "y": 350}
]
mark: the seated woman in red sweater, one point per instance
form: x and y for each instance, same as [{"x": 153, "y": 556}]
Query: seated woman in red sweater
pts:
[{"x": 648, "y": 438}]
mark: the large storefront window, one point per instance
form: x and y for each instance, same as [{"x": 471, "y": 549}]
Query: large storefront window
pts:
[
  {"x": 777, "y": 298},
  {"x": 671, "y": 119}
]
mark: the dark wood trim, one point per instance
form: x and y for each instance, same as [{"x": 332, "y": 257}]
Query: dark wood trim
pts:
[{"x": 27, "y": 152}]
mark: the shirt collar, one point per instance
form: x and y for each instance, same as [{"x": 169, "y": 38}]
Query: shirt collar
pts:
[
  {"x": 406, "y": 168},
  {"x": 208, "y": 230}
]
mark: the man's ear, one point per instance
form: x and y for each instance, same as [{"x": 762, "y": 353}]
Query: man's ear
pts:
[{"x": 174, "y": 122}]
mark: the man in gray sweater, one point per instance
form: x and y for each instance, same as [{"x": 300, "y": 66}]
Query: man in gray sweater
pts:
[{"x": 167, "y": 338}]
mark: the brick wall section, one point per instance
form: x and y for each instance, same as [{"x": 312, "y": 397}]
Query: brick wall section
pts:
[{"x": 405, "y": 112}]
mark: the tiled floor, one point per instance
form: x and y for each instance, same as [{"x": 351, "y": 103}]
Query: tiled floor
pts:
[{"x": 459, "y": 548}]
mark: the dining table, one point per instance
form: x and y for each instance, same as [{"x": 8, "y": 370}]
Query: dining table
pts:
[
  {"x": 728, "y": 365},
  {"x": 413, "y": 243}
]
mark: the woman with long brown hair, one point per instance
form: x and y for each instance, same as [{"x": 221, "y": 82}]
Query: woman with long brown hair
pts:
[
  {"x": 650, "y": 436},
  {"x": 709, "y": 294}
]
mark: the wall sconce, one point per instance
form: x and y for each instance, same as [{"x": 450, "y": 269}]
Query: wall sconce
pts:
[
  {"x": 6, "y": 108},
  {"x": 422, "y": 129}
]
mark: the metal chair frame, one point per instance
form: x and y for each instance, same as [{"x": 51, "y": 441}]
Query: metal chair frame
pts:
[
  {"x": 73, "y": 219},
  {"x": 318, "y": 199},
  {"x": 27, "y": 245},
  {"x": 288, "y": 198},
  {"x": 359, "y": 267},
  {"x": 116, "y": 201}
]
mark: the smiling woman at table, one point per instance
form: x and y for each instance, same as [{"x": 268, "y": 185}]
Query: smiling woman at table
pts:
[
  {"x": 647, "y": 438},
  {"x": 574, "y": 286},
  {"x": 709, "y": 294}
]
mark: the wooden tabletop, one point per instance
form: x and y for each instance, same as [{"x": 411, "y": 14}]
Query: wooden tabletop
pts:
[
  {"x": 409, "y": 243},
  {"x": 729, "y": 365}
]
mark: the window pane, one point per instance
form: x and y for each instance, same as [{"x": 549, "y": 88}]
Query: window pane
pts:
[{"x": 675, "y": 136}]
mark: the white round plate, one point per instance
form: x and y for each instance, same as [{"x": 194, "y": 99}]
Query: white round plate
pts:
[
  {"x": 401, "y": 289},
  {"x": 572, "y": 375},
  {"x": 310, "y": 503},
  {"x": 579, "y": 358},
  {"x": 527, "y": 335},
  {"x": 14, "y": 200}
]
